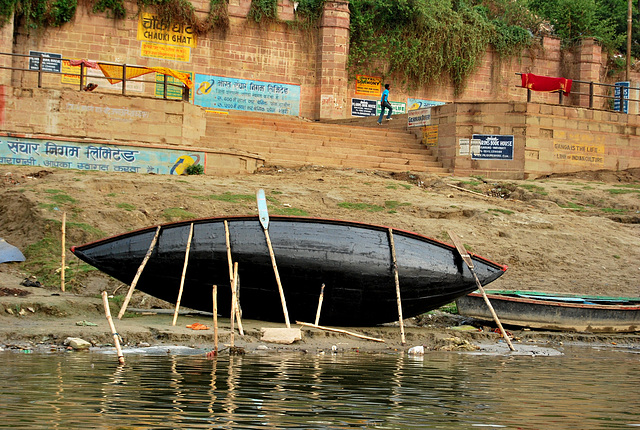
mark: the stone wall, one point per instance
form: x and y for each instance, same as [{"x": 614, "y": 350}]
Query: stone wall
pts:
[{"x": 547, "y": 139}]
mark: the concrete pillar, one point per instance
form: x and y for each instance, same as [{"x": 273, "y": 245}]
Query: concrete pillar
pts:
[
  {"x": 587, "y": 65},
  {"x": 332, "y": 76},
  {"x": 239, "y": 8},
  {"x": 6, "y": 46}
]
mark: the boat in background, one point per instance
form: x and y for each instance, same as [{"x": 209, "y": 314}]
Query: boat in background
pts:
[
  {"x": 555, "y": 311},
  {"x": 353, "y": 261}
]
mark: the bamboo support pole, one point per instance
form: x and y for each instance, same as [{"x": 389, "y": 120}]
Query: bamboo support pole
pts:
[
  {"x": 395, "y": 273},
  {"x": 275, "y": 271},
  {"x": 116, "y": 336},
  {"x": 184, "y": 272},
  {"x": 469, "y": 262},
  {"x": 320, "y": 304},
  {"x": 215, "y": 317},
  {"x": 123, "y": 309},
  {"x": 336, "y": 330},
  {"x": 233, "y": 302},
  {"x": 231, "y": 277},
  {"x": 64, "y": 255}
]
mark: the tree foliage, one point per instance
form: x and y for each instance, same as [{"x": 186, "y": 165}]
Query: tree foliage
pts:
[{"x": 423, "y": 40}]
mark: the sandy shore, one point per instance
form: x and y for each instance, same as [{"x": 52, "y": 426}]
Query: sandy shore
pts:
[{"x": 45, "y": 318}]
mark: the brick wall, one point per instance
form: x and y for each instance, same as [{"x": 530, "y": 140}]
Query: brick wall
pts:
[
  {"x": 278, "y": 52},
  {"x": 547, "y": 138}
]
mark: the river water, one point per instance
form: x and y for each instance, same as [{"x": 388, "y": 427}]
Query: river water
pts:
[{"x": 585, "y": 388}]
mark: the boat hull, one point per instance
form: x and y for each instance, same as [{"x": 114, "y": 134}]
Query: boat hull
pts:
[
  {"x": 559, "y": 312},
  {"x": 353, "y": 261}
]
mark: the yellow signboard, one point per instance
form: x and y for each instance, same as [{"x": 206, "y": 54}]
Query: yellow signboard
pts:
[
  {"x": 70, "y": 74},
  {"x": 166, "y": 52},
  {"x": 368, "y": 85},
  {"x": 152, "y": 29},
  {"x": 576, "y": 153},
  {"x": 430, "y": 135}
]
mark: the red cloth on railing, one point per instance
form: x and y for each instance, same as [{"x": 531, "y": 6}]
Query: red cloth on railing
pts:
[
  {"x": 87, "y": 63},
  {"x": 545, "y": 83}
]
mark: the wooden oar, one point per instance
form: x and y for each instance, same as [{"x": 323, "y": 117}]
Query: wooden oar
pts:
[
  {"x": 469, "y": 262},
  {"x": 395, "y": 272},
  {"x": 184, "y": 272},
  {"x": 138, "y": 273},
  {"x": 264, "y": 220}
]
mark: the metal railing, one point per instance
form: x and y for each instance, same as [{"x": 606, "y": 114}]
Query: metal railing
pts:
[
  {"x": 40, "y": 70},
  {"x": 592, "y": 94}
]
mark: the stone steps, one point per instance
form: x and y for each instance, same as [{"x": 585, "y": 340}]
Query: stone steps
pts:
[{"x": 292, "y": 142}]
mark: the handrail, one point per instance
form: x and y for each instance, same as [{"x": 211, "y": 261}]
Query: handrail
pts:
[
  {"x": 40, "y": 71},
  {"x": 592, "y": 94}
]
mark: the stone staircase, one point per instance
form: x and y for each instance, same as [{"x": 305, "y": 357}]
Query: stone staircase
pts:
[{"x": 357, "y": 143}]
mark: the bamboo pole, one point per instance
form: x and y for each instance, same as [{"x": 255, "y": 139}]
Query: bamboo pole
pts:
[
  {"x": 64, "y": 255},
  {"x": 184, "y": 272},
  {"x": 395, "y": 273},
  {"x": 116, "y": 337},
  {"x": 215, "y": 318},
  {"x": 123, "y": 309},
  {"x": 469, "y": 262},
  {"x": 320, "y": 304},
  {"x": 336, "y": 330},
  {"x": 275, "y": 271},
  {"x": 231, "y": 277},
  {"x": 233, "y": 302}
]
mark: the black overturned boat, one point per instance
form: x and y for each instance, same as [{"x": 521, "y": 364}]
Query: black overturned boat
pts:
[{"x": 353, "y": 260}]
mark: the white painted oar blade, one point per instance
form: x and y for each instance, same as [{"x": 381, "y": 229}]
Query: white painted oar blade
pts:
[{"x": 263, "y": 213}]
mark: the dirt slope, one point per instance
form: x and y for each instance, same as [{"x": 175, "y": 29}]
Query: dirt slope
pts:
[{"x": 567, "y": 234}]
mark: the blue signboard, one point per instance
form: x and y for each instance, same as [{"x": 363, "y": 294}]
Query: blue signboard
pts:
[
  {"x": 102, "y": 157},
  {"x": 491, "y": 147},
  {"x": 363, "y": 107},
  {"x": 616, "y": 101},
  {"x": 218, "y": 92},
  {"x": 415, "y": 104}
]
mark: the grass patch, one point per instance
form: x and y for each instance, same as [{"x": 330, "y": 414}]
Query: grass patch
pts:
[
  {"x": 393, "y": 204},
  {"x": 361, "y": 206},
  {"x": 450, "y": 308},
  {"x": 406, "y": 186},
  {"x": 392, "y": 187},
  {"x": 43, "y": 259},
  {"x": 288, "y": 211},
  {"x": 60, "y": 197},
  {"x": 125, "y": 206},
  {"x": 534, "y": 189},
  {"x": 613, "y": 210},
  {"x": 177, "y": 213},
  {"x": 502, "y": 211},
  {"x": 112, "y": 195},
  {"x": 622, "y": 191},
  {"x": 574, "y": 206},
  {"x": 617, "y": 257},
  {"x": 232, "y": 198}
]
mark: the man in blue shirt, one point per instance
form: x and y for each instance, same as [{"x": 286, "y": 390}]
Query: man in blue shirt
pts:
[{"x": 385, "y": 104}]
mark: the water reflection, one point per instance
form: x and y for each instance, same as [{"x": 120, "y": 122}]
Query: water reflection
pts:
[{"x": 584, "y": 389}]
